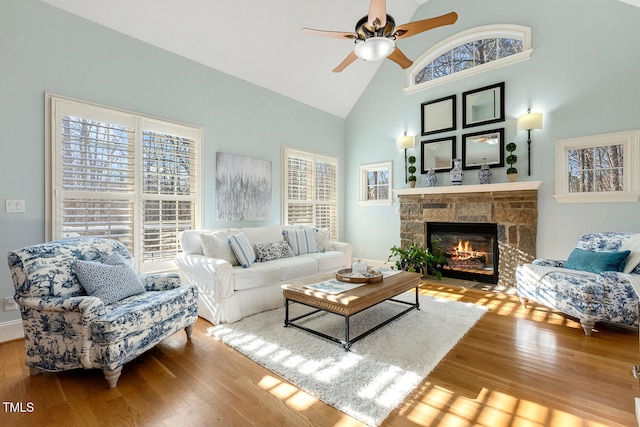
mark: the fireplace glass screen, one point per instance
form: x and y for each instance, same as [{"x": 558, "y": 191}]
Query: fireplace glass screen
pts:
[{"x": 471, "y": 249}]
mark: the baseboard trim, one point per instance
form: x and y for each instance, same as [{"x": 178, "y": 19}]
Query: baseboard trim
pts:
[{"x": 10, "y": 331}]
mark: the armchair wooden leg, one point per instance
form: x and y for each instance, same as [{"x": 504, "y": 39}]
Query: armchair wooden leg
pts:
[
  {"x": 524, "y": 302},
  {"x": 189, "y": 330},
  {"x": 35, "y": 371},
  {"x": 587, "y": 326},
  {"x": 112, "y": 376}
]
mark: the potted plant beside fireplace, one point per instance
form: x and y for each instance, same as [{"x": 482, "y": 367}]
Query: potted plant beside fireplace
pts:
[{"x": 417, "y": 259}]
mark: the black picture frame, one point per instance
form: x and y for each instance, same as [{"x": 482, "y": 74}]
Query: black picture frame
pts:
[
  {"x": 438, "y": 115},
  {"x": 432, "y": 152},
  {"x": 483, "y": 106},
  {"x": 474, "y": 149}
]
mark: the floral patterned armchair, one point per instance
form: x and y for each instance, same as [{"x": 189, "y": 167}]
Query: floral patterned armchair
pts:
[
  {"x": 65, "y": 328},
  {"x": 597, "y": 283}
]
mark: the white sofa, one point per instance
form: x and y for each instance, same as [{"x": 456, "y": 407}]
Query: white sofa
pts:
[{"x": 229, "y": 292}]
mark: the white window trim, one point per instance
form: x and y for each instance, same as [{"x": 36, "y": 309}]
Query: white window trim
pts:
[
  {"x": 518, "y": 32},
  {"x": 53, "y": 228},
  {"x": 314, "y": 155},
  {"x": 631, "y": 166},
  {"x": 364, "y": 170}
]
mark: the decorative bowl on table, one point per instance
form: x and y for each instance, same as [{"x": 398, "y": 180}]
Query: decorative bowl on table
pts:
[{"x": 371, "y": 276}]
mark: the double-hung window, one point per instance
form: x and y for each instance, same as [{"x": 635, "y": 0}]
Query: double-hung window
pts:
[
  {"x": 598, "y": 168},
  {"x": 124, "y": 176},
  {"x": 311, "y": 189}
]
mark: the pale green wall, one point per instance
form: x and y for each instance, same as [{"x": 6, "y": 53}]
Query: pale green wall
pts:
[
  {"x": 43, "y": 49},
  {"x": 584, "y": 75}
]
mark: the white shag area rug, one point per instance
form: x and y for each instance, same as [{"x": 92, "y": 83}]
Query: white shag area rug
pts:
[{"x": 380, "y": 370}]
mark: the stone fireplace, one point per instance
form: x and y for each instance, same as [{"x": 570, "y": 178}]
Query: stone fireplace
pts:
[{"x": 512, "y": 207}]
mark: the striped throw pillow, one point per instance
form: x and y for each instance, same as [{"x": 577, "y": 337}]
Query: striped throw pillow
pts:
[
  {"x": 302, "y": 241},
  {"x": 243, "y": 249}
]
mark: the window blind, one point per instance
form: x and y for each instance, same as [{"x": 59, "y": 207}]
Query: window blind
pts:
[
  {"x": 123, "y": 176},
  {"x": 311, "y": 182}
]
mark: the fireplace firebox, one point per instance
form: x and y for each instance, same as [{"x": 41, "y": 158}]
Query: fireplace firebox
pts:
[{"x": 471, "y": 249}]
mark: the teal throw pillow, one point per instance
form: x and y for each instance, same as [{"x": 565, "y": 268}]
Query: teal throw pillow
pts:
[
  {"x": 111, "y": 280},
  {"x": 596, "y": 262}
]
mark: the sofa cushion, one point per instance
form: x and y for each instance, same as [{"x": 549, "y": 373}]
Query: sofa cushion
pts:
[
  {"x": 266, "y": 234},
  {"x": 329, "y": 260},
  {"x": 243, "y": 249},
  {"x": 596, "y": 262},
  {"x": 302, "y": 241},
  {"x": 632, "y": 244},
  {"x": 216, "y": 245},
  {"x": 111, "y": 281},
  {"x": 270, "y": 251},
  {"x": 295, "y": 267},
  {"x": 260, "y": 274},
  {"x": 323, "y": 242}
]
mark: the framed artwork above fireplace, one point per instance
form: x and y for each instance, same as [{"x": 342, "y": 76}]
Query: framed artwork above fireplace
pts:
[
  {"x": 480, "y": 147},
  {"x": 438, "y": 154}
]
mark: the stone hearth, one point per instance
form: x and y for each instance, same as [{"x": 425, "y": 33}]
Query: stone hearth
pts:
[{"x": 512, "y": 206}]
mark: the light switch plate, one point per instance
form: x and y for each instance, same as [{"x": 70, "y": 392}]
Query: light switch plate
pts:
[
  {"x": 14, "y": 206},
  {"x": 10, "y": 304}
]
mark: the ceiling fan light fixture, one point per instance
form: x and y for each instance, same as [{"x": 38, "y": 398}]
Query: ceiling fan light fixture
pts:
[{"x": 374, "y": 48}]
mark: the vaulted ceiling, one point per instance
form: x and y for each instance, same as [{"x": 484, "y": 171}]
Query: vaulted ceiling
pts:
[{"x": 255, "y": 40}]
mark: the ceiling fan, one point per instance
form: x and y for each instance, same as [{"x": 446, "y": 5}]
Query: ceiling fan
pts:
[{"x": 376, "y": 33}]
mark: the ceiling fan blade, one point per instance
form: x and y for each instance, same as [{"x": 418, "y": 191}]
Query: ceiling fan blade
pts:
[
  {"x": 333, "y": 34},
  {"x": 347, "y": 61},
  {"x": 399, "y": 58},
  {"x": 378, "y": 10},
  {"x": 413, "y": 28}
]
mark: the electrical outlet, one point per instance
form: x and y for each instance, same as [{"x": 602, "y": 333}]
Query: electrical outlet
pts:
[{"x": 10, "y": 304}]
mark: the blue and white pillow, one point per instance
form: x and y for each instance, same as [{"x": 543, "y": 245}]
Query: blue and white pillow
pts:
[
  {"x": 111, "y": 280},
  {"x": 243, "y": 249},
  {"x": 270, "y": 251},
  {"x": 302, "y": 241}
]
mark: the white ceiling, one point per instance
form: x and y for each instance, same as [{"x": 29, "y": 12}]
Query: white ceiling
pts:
[{"x": 255, "y": 40}]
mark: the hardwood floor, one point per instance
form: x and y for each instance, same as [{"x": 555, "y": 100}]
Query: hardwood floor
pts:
[{"x": 516, "y": 367}]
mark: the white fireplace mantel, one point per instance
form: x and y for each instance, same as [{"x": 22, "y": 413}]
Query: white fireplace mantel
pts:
[{"x": 474, "y": 188}]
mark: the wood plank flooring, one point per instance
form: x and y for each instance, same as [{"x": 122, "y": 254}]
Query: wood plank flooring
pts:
[{"x": 516, "y": 367}]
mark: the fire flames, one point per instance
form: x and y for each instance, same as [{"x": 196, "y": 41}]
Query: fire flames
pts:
[{"x": 464, "y": 251}]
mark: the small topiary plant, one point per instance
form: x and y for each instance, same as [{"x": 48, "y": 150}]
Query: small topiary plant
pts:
[
  {"x": 511, "y": 158},
  {"x": 411, "y": 169}
]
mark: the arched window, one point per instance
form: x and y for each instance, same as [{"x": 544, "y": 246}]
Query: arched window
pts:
[{"x": 470, "y": 52}]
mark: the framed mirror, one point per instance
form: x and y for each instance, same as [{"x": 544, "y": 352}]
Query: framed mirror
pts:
[
  {"x": 439, "y": 115},
  {"x": 438, "y": 154},
  {"x": 480, "y": 147},
  {"x": 483, "y": 106}
]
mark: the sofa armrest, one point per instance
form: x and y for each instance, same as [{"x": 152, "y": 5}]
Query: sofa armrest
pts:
[
  {"x": 344, "y": 247},
  {"x": 160, "y": 281},
  {"x": 214, "y": 279},
  {"x": 548, "y": 262}
]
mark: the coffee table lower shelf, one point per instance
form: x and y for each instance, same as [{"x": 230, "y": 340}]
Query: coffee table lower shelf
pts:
[{"x": 347, "y": 342}]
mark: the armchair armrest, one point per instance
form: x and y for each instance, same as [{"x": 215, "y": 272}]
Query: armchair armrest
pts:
[
  {"x": 160, "y": 281},
  {"x": 548, "y": 262},
  {"x": 89, "y": 307}
]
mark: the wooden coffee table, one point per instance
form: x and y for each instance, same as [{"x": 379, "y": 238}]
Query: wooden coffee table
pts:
[{"x": 350, "y": 302}]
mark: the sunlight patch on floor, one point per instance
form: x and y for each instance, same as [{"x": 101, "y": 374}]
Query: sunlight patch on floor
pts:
[
  {"x": 440, "y": 407},
  {"x": 291, "y": 395}
]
